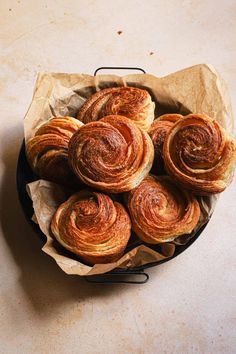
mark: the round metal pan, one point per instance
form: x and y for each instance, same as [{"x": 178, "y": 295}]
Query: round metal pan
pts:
[{"x": 25, "y": 175}]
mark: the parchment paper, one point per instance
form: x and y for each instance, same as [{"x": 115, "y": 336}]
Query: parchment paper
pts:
[{"x": 198, "y": 89}]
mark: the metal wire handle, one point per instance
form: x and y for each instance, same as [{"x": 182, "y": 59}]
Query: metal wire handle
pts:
[
  {"x": 118, "y": 68},
  {"x": 104, "y": 278}
]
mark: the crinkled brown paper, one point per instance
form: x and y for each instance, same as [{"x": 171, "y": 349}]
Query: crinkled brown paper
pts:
[{"x": 198, "y": 89}]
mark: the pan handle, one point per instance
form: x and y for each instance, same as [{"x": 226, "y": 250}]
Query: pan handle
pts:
[
  {"x": 118, "y": 68},
  {"x": 110, "y": 278}
]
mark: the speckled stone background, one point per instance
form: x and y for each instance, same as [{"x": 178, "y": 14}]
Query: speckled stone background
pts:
[{"x": 188, "y": 306}]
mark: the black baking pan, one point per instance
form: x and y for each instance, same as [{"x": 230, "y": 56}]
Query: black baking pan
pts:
[{"x": 24, "y": 175}]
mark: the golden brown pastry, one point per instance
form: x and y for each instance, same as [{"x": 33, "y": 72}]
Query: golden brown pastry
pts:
[
  {"x": 113, "y": 154},
  {"x": 158, "y": 132},
  {"x": 47, "y": 151},
  {"x": 160, "y": 211},
  {"x": 199, "y": 154},
  {"x": 92, "y": 226},
  {"x": 131, "y": 102}
]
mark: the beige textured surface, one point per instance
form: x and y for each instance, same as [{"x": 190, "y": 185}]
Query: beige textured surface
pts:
[{"x": 189, "y": 305}]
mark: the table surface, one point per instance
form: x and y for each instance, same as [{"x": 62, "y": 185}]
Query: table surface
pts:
[{"x": 188, "y": 306}]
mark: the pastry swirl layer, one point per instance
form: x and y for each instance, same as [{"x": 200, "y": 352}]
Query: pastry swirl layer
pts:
[
  {"x": 113, "y": 154},
  {"x": 160, "y": 211},
  {"x": 199, "y": 154},
  {"x": 158, "y": 131},
  {"x": 92, "y": 226},
  {"x": 131, "y": 102},
  {"x": 47, "y": 151}
]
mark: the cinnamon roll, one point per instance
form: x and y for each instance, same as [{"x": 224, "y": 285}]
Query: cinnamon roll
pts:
[
  {"x": 92, "y": 226},
  {"x": 47, "y": 151},
  {"x": 158, "y": 132},
  {"x": 160, "y": 211},
  {"x": 199, "y": 154},
  {"x": 113, "y": 154},
  {"x": 131, "y": 102}
]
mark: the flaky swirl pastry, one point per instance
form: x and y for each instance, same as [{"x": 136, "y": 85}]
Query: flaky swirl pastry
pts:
[
  {"x": 92, "y": 226},
  {"x": 160, "y": 211},
  {"x": 113, "y": 154},
  {"x": 199, "y": 154},
  {"x": 47, "y": 151},
  {"x": 131, "y": 102},
  {"x": 158, "y": 131}
]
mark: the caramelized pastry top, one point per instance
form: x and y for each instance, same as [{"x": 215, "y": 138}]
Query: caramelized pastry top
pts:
[
  {"x": 160, "y": 211},
  {"x": 199, "y": 154},
  {"x": 92, "y": 226},
  {"x": 113, "y": 154},
  {"x": 158, "y": 131},
  {"x": 131, "y": 102},
  {"x": 47, "y": 151}
]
